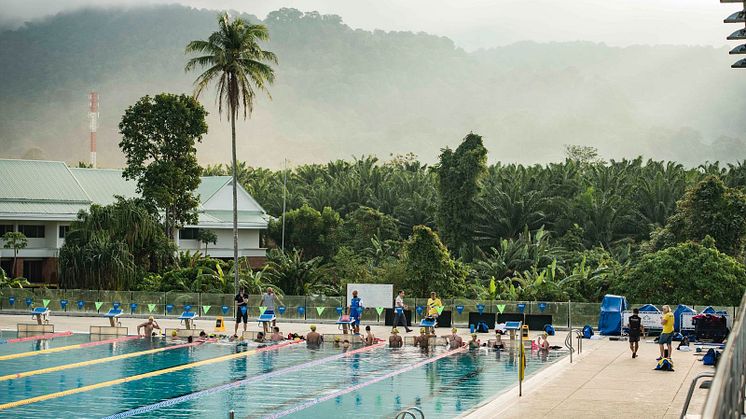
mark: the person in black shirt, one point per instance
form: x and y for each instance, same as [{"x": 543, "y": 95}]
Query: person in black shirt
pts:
[
  {"x": 242, "y": 312},
  {"x": 635, "y": 330}
]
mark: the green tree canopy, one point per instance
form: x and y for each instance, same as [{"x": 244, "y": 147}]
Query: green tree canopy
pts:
[
  {"x": 14, "y": 240},
  {"x": 459, "y": 180},
  {"x": 708, "y": 209},
  {"x": 686, "y": 273},
  {"x": 108, "y": 247},
  {"x": 158, "y": 141},
  {"x": 363, "y": 224},
  {"x": 429, "y": 267},
  {"x": 307, "y": 230}
]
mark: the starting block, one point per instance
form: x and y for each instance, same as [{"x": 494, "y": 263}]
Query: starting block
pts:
[
  {"x": 113, "y": 316},
  {"x": 344, "y": 323},
  {"x": 429, "y": 323},
  {"x": 266, "y": 318},
  {"x": 41, "y": 314},
  {"x": 187, "y": 318},
  {"x": 31, "y": 329},
  {"x": 512, "y": 327}
]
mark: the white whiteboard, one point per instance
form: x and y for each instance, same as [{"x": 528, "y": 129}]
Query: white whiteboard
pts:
[
  {"x": 373, "y": 295},
  {"x": 650, "y": 319}
]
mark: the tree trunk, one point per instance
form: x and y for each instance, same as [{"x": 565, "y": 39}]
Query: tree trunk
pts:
[
  {"x": 15, "y": 263},
  {"x": 235, "y": 199}
]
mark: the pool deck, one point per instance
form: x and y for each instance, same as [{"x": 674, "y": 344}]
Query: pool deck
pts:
[{"x": 603, "y": 382}]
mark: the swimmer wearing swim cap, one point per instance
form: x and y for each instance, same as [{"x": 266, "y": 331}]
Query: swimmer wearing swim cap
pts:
[
  {"x": 148, "y": 327},
  {"x": 314, "y": 338}
]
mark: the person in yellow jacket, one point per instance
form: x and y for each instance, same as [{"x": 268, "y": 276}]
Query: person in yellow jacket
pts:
[{"x": 433, "y": 303}]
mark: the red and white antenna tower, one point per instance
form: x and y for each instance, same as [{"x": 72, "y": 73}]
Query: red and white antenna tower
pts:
[{"x": 93, "y": 118}]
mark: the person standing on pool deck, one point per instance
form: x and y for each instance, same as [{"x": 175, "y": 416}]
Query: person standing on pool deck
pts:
[
  {"x": 399, "y": 316},
  {"x": 268, "y": 302},
  {"x": 242, "y": 310},
  {"x": 667, "y": 335},
  {"x": 635, "y": 330},
  {"x": 433, "y": 303},
  {"x": 356, "y": 311}
]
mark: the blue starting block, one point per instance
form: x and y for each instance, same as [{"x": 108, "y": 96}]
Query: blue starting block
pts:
[
  {"x": 113, "y": 316},
  {"x": 430, "y": 323},
  {"x": 345, "y": 322},
  {"x": 187, "y": 318},
  {"x": 41, "y": 314},
  {"x": 266, "y": 318},
  {"x": 512, "y": 327}
]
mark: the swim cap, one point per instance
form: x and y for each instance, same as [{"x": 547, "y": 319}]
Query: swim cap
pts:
[
  {"x": 151, "y": 318},
  {"x": 473, "y": 335},
  {"x": 173, "y": 334},
  {"x": 313, "y": 327},
  {"x": 422, "y": 330},
  {"x": 336, "y": 338},
  {"x": 395, "y": 330},
  {"x": 454, "y": 330}
]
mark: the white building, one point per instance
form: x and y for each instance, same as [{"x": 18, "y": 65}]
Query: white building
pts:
[{"x": 41, "y": 199}]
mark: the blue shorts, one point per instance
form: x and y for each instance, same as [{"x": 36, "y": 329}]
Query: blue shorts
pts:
[
  {"x": 356, "y": 320},
  {"x": 665, "y": 338}
]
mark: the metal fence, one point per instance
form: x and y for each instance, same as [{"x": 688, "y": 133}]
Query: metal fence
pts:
[
  {"x": 726, "y": 397},
  {"x": 291, "y": 307}
]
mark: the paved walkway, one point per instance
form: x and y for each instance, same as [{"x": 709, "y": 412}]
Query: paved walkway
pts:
[{"x": 605, "y": 383}]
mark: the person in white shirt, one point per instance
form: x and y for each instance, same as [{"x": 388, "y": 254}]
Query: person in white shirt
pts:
[{"x": 399, "y": 307}]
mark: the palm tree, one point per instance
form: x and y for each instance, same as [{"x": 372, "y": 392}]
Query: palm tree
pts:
[{"x": 239, "y": 66}]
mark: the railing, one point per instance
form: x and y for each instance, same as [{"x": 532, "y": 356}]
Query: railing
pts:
[
  {"x": 410, "y": 412},
  {"x": 692, "y": 387},
  {"x": 313, "y": 308},
  {"x": 726, "y": 396}
]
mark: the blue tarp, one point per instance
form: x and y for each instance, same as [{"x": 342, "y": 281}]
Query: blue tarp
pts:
[
  {"x": 647, "y": 308},
  {"x": 711, "y": 310},
  {"x": 610, "y": 320},
  {"x": 681, "y": 309}
]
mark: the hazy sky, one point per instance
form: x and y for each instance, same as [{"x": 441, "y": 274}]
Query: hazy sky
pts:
[{"x": 477, "y": 23}]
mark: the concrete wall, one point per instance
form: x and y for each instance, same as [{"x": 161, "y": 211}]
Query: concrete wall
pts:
[{"x": 248, "y": 244}]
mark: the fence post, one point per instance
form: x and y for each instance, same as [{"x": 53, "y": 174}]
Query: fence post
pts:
[{"x": 569, "y": 314}]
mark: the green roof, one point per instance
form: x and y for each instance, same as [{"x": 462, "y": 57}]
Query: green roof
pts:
[
  {"x": 210, "y": 185},
  {"x": 40, "y": 181},
  {"x": 102, "y": 185}
]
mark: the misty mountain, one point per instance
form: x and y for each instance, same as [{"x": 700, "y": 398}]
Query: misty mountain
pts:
[{"x": 342, "y": 91}]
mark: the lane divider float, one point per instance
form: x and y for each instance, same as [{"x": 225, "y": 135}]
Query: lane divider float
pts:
[
  {"x": 156, "y": 373},
  {"x": 67, "y": 348},
  {"x": 356, "y": 387},
  {"x": 96, "y": 361},
  {"x": 223, "y": 387},
  {"x": 37, "y": 337}
]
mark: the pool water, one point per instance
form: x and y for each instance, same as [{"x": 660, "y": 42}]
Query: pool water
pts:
[{"x": 272, "y": 382}]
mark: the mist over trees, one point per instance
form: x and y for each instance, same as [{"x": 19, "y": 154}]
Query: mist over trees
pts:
[{"x": 343, "y": 92}]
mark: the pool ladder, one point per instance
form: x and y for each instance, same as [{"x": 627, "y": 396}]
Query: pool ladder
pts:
[
  {"x": 410, "y": 412},
  {"x": 568, "y": 342}
]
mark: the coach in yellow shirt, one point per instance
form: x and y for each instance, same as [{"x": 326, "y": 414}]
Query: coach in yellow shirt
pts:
[
  {"x": 667, "y": 335},
  {"x": 433, "y": 303}
]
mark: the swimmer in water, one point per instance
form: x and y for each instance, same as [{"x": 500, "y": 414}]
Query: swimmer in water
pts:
[
  {"x": 395, "y": 341},
  {"x": 149, "y": 326}
]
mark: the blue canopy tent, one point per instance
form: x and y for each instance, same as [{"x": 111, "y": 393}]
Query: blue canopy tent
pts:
[
  {"x": 681, "y": 309},
  {"x": 711, "y": 310},
  {"x": 610, "y": 319}
]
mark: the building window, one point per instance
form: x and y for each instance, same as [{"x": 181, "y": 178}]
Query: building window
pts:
[
  {"x": 63, "y": 231},
  {"x": 5, "y": 228},
  {"x": 189, "y": 234},
  {"x": 32, "y": 231},
  {"x": 32, "y": 270}
]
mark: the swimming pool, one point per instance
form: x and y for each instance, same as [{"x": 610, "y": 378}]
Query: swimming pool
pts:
[{"x": 72, "y": 378}]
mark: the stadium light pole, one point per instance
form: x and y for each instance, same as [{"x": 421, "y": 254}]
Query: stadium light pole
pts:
[{"x": 737, "y": 17}]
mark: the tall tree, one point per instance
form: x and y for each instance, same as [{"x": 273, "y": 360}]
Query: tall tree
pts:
[
  {"x": 429, "y": 266},
  {"x": 15, "y": 240},
  {"x": 158, "y": 140},
  {"x": 459, "y": 175},
  {"x": 239, "y": 66}
]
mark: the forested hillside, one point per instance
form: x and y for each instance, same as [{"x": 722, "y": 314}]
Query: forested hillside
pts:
[{"x": 343, "y": 92}]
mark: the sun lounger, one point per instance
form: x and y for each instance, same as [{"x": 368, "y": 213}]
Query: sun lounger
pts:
[
  {"x": 187, "y": 317},
  {"x": 113, "y": 316},
  {"x": 40, "y": 314}
]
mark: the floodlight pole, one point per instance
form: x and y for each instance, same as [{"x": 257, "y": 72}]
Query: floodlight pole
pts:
[
  {"x": 737, "y": 17},
  {"x": 284, "y": 201}
]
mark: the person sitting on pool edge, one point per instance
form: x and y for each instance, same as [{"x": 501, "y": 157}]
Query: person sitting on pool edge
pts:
[
  {"x": 149, "y": 326},
  {"x": 395, "y": 341},
  {"x": 314, "y": 338},
  {"x": 276, "y": 335}
]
